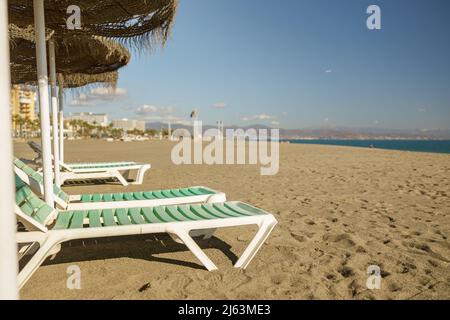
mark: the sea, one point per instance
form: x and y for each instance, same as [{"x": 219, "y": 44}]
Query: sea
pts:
[{"x": 434, "y": 146}]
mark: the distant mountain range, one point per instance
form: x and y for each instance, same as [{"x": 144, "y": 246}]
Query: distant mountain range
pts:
[{"x": 333, "y": 132}]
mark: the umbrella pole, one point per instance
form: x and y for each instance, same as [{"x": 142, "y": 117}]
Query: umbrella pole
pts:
[
  {"x": 8, "y": 246},
  {"x": 61, "y": 123},
  {"x": 41, "y": 63},
  {"x": 52, "y": 60}
]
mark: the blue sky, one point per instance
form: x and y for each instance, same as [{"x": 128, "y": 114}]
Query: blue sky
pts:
[{"x": 293, "y": 64}]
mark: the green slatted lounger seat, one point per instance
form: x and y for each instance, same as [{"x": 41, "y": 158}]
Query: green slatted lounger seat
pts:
[
  {"x": 50, "y": 227},
  {"x": 196, "y": 194},
  {"x": 99, "y": 170}
]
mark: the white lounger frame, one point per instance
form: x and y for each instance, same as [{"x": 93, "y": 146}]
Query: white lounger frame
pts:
[
  {"x": 105, "y": 173},
  {"x": 217, "y": 196},
  {"x": 69, "y": 173},
  {"x": 38, "y": 188},
  {"x": 50, "y": 240}
]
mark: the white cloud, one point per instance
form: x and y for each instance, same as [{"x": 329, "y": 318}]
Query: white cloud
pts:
[
  {"x": 219, "y": 105},
  {"x": 160, "y": 114},
  {"x": 146, "y": 109},
  {"x": 260, "y": 117},
  {"x": 328, "y": 71},
  {"x": 275, "y": 123},
  {"x": 98, "y": 95},
  {"x": 422, "y": 109}
]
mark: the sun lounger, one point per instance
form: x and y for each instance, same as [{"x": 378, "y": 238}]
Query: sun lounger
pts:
[
  {"x": 198, "y": 194},
  {"x": 50, "y": 227},
  {"x": 99, "y": 170}
]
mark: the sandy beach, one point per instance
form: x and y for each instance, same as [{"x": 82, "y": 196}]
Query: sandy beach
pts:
[{"x": 339, "y": 209}]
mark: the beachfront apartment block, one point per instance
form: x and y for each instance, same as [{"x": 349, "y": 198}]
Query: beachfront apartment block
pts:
[
  {"x": 89, "y": 117},
  {"x": 126, "y": 124},
  {"x": 23, "y": 102}
]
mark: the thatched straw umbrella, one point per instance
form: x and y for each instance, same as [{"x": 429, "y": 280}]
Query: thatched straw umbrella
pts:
[
  {"x": 95, "y": 56},
  {"x": 8, "y": 224}
]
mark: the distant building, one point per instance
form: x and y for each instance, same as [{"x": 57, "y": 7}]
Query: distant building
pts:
[
  {"x": 23, "y": 102},
  {"x": 126, "y": 124},
  {"x": 91, "y": 118}
]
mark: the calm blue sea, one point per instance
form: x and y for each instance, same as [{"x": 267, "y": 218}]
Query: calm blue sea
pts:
[{"x": 441, "y": 146}]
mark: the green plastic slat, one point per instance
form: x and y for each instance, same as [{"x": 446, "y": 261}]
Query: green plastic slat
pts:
[
  {"x": 42, "y": 213},
  {"x": 172, "y": 210},
  {"x": 212, "y": 210},
  {"x": 158, "y": 195},
  {"x": 135, "y": 216},
  {"x": 199, "y": 210},
  {"x": 167, "y": 194},
  {"x": 128, "y": 196},
  {"x": 77, "y": 219},
  {"x": 94, "y": 219},
  {"x": 249, "y": 208},
  {"x": 221, "y": 208},
  {"x": 177, "y": 216},
  {"x": 177, "y": 193},
  {"x": 107, "y": 197},
  {"x": 117, "y": 196},
  {"x": 204, "y": 217},
  {"x": 237, "y": 209},
  {"x": 63, "y": 220},
  {"x": 186, "y": 211},
  {"x": 149, "y": 216},
  {"x": 108, "y": 218},
  {"x": 205, "y": 191},
  {"x": 138, "y": 196},
  {"x": 122, "y": 217},
  {"x": 160, "y": 213},
  {"x": 186, "y": 192},
  {"x": 86, "y": 198},
  {"x": 149, "y": 195},
  {"x": 97, "y": 197},
  {"x": 195, "y": 191}
]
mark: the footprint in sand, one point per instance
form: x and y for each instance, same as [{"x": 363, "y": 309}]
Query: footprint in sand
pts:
[
  {"x": 346, "y": 271},
  {"x": 343, "y": 240},
  {"x": 298, "y": 237}
]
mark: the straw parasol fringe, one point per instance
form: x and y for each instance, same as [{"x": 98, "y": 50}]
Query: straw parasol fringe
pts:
[
  {"x": 78, "y": 57},
  {"x": 138, "y": 24}
]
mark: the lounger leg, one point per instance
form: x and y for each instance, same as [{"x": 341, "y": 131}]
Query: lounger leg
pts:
[
  {"x": 38, "y": 258},
  {"x": 126, "y": 174},
  {"x": 119, "y": 177},
  {"x": 256, "y": 243},
  {"x": 140, "y": 174},
  {"x": 196, "y": 250}
]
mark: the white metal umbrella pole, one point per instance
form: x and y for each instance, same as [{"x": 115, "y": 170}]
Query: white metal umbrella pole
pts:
[
  {"x": 61, "y": 123},
  {"x": 52, "y": 60},
  {"x": 41, "y": 63},
  {"x": 8, "y": 224}
]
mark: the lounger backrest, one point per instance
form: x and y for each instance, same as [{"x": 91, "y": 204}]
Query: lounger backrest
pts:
[
  {"x": 31, "y": 209},
  {"x": 37, "y": 177},
  {"x": 36, "y": 147}
]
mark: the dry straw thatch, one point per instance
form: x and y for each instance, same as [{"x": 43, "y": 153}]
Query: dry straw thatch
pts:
[
  {"x": 138, "y": 23},
  {"x": 79, "y": 57}
]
